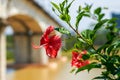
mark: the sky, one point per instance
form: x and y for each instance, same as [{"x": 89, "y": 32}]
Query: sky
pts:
[{"x": 112, "y": 5}]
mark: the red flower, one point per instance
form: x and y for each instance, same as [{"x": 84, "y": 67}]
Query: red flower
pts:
[
  {"x": 51, "y": 43},
  {"x": 77, "y": 60}
]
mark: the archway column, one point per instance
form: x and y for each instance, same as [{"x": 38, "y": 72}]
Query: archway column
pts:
[
  {"x": 21, "y": 49},
  {"x": 2, "y": 55}
]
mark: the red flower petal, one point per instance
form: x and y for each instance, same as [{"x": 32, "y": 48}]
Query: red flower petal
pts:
[
  {"x": 52, "y": 43},
  {"x": 84, "y": 52},
  {"x": 50, "y": 51},
  {"x": 77, "y": 60},
  {"x": 35, "y": 47},
  {"x": 44, "y": 40},
  {"x": 55, "y": 41},
  {"x": 45, "y": 37},
  {"x": 53, "y": 46},
  {"x": 48, "y": 31},
  {"x": 86, "y": 62},
  {"x": 75, "y": 55}
]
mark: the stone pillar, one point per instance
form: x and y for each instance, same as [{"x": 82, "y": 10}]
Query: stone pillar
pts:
[
  {"x": 21, "y": 49},
  {"x": 2, "y": 56},
  {"x": 39, "y": 55}
]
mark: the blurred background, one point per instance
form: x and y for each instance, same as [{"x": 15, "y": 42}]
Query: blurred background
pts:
[{"x": 24, "y": 21}]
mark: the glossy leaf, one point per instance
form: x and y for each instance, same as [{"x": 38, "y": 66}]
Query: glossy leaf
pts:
[
  {"x": 55, "y": 5},
  {"x": 101, "y": 16},
  {"x": 89, "y": 67},
  {"x": 88, "y": 34},
  {"x": 99, "y": 24},
  {"x": 62, "y": 30},
  {"x": 67, "y": 7},
  {"x": 99, "y": 77},
  {"x": 65, "y": 17},
  {"x": 62, "y": 5},
  {"x": 86, "y": 56},
  {"x": 78, "y": 19},
  {"x": 98, "y": 11},
  {"x": 87, "y": 8}
]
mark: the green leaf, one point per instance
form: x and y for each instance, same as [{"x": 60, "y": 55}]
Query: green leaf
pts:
[
  {"x": 79, "y": 9},
  {"x": 66, "y": 1},
  {"x": 68, "y": 18},
  {"x": 87, "y": 8},
  {"x": 66, "y": 9},
  {"x": 98, "y": 10},
  {"x": 87, "y": 15},
  {"x": 91, "y": 51},
  {"x": 99, "y": 24},
  {"x": 99, "y": 77},
  {"x": 81, "y": 40},
  {"x": 70, "y": 4},
  {"x": 62, "y": 30},
  {"x": 86, "y": 56},
  {"x": 102, "y": 47},
  {"x": 55, "y": 5},
  {"x": 78, "y": 18},
  {"x": 110, "y": 36},
  {"x": 117, "y": 72},
  {"x": 101, "y": 16},
  {"x": 65, "y": 17},
  {"x": 111, "y": 25},
  {"x": 53, "y": 9},
  {"x": 89, "y": 67},
  {"x": 62, "y": 7},
  {"x": 88, "y": 34},
  {"x": 109, "y": 49}
]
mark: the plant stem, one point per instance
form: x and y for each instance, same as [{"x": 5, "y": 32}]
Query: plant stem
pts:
[
  {"x": 80, "y": 35},
  {"x": 76, "y": 31}
]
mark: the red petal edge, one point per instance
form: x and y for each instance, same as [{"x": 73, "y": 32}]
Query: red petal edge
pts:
[{"x": 35, "y": 47}]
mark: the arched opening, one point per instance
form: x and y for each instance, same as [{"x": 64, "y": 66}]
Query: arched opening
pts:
[
  {"x": 25, "y": 28},
  {"x": 9, "y": 45}
]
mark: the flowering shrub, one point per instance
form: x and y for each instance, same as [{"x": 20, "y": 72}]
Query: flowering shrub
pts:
[{"x": 86, "y": 56}]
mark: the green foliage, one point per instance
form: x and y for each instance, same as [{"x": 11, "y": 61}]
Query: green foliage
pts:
[
  {"x": 97, "y": 11},
  {"x": 63, "y": 30},
  {"x": 107, "y": 55},
  {"x": 82, "y": 12},
  {"x": 63, "y": 10},
  {"x": 78, "y": 18},
  {"x": 86, "y": 56},
  {"x": 100, "y": 24},
  {"x": 89, "y": 35},
  {"x": 10, "y": 55},
  {"x": 55, "y": 5},
  {"x": 10, "y": 46},
  {"x": 9, "y": 41},
  {"x": 89, "y": 67}
]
